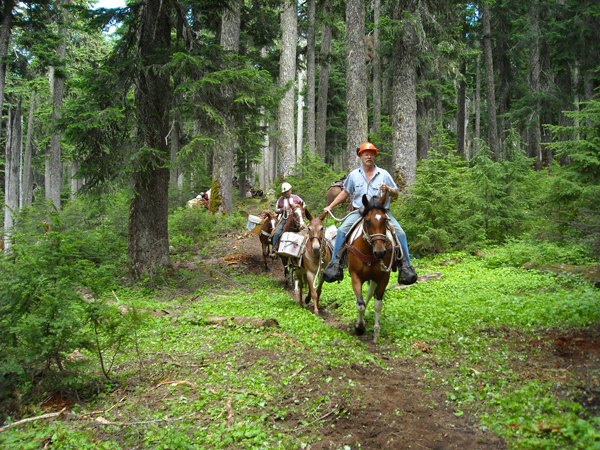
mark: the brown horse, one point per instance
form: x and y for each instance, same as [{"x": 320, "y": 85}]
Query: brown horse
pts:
[
  {"x": 370, "y": 258},
  {"x": 265, "y": 234},
  {"x": 295, "y": 223},
  {"x": 316, "y": 256}
]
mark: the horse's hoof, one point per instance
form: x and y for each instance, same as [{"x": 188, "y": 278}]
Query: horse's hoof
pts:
[
  {"x": 360, "y": 329},
  {"x": 375, "y": 335}
]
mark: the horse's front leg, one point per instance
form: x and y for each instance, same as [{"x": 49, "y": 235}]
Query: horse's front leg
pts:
[
  {"x": 314, "y": 293},
  {"x": 378, "y": 306},
  {"x": 359, "y": 326}
]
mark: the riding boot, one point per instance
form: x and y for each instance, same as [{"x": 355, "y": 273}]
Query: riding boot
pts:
[
  {"x": 335, "y": 269},
  {"x": 406, "y": 274}
]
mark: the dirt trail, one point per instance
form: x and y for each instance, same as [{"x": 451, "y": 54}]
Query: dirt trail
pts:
[{"x": 395, "y": 410}]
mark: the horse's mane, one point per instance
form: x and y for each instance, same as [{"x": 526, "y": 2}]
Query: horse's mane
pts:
[{"x": 374, "y": 203}]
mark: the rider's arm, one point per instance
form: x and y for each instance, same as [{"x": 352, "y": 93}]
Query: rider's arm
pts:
[{"x": 341, "y": 198}]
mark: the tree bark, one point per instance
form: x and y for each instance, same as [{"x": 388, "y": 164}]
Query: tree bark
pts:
[
  {"x": 489, "y": 78},
  {"x": 376, "y": 70},
  {"x": 300, "y": 115},
  {"x": 287, "y": 74},
  {"x": 57, "y": 80},
  {"x": 477, "y": 105},
  {"x": 27, "y": 191},
  {"x": 310, "y": 78},
  {"x": 324, "y": 69},
  {"x": 533, "y": 150},
  {"x": 148, "y": 240},
  {"x": 7, "y": 16},
  {"x": 14, "y": 148},
  {"x": 221, "y": 194},
  {"x": 461, "y": 111},
  {"x": 404, "y": 121},
  {"x": 356, "y": 82}
]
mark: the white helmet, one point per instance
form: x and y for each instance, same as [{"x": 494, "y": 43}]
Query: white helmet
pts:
[{"x": 285, "y": 187}]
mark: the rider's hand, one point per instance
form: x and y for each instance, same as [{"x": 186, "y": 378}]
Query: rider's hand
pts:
[{"x": 326, "y": 209}]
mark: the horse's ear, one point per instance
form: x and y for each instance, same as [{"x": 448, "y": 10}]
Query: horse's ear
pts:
[
  {"x": 322, "y": 216},
  {"x": 364, "y": 200},
  {"x": 308, "y": 214},
  {"x": 383, "y": 198}
]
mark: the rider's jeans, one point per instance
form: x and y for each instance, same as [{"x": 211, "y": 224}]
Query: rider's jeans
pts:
[
  {"x": 278, "y": 231},
  {"x": 345, "y": 227}
]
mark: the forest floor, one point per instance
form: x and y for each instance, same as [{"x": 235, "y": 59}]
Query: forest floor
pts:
[{"x": 387, "y": 404}]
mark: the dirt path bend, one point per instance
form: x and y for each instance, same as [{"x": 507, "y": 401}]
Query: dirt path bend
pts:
[{"x": 395, "y": 410}]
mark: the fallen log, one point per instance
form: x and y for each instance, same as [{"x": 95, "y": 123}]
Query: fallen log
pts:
[{"x": 227, "y": 321}]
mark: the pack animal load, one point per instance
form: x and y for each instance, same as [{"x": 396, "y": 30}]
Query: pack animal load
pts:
[
  {"x": 291, "y": 244},
  {"x": 254, "y": 224},
  {"x": 331, "y": 234}
]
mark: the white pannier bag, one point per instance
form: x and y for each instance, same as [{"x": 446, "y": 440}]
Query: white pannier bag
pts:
[
  {"x": 291, "y": 244},
  {"x": 254, "y": 224},
  {"x": 331, "y": 234}
]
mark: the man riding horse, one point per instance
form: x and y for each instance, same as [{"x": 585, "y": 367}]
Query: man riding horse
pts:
[
  {"x": 367, "y": 180},
  {"x": 283, "y": 210}
]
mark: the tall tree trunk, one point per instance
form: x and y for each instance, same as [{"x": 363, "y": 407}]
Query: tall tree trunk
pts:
[
  {"x": 221, "y": 194},
  {"x": 175, "y": 142},
  {"x": 14, "y": 148},
  {"x": 423, "y": 141},
  {"x": 404, "y": 121},
  {"x": 57, "y": 82},
  {"x": 547, "y": 86},
  {"x": 310, "y": 79},
  {"x": 273, "y": 152},
  {"x": 287, "y": 74},
  {"x": 148, "y": 240},
  {"x": 533, "y": 150},
  {"x": 477, "y": 105},
  {"x": 300, "y": 115},
  {"x": 489, "y": 78},
  {"x": 461, "y": 111},
  {"x": 356, "y": 81},
  {"x": 75, "y": 182},
  {"x": 7, "y": 16},
  {"x": 27, "y": 191},
  {"x": 376, "y": 70},
  {"x": 324, "y": 69}
]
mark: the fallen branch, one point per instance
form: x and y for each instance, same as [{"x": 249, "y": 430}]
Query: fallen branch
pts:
[
  {"x": 32, "y": 419},
  {"x": 103, "y": 421},
  {"x": 226, "y": 321},
  {"x": 230, "y": 413},
  {"x": 102, "y": 411},
  {"x": 334, "y": 411}
]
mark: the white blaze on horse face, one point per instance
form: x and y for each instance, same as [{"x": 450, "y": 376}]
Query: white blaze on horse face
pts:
[{"x": 378, "y": 216}]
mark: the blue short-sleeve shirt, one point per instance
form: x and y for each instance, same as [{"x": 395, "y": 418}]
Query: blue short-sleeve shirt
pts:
[{"x": 356, "y": 184}]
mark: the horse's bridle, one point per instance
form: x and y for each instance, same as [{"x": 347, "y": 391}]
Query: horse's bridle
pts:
[{"x": 371, "y": 238}]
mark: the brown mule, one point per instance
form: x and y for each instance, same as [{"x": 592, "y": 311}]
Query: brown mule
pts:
[
  {"x": 265, "y": 234},
  {"x": 295, "y": 223},
  {"x": 316, "y": 256}
]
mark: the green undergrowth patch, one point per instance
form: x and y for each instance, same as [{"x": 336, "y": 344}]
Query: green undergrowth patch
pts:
[
  {"x": 484, "y": 324},
  {"x": 179, "y": 368}
]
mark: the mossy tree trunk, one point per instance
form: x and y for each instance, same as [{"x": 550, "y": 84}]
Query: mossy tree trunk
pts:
[
  {"x": 148, "y": 212},
  {"x": 356, "y": 81}
]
